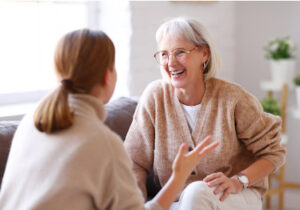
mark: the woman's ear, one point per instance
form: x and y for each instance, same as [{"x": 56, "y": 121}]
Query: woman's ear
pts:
[
  {"x": 206, "y": 53},
  {"x": 110, "y": 79},
  {"x": 107, "y": 77}
]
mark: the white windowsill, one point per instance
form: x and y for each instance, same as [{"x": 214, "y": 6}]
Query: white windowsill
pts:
[{"x": 15, "y": 111}]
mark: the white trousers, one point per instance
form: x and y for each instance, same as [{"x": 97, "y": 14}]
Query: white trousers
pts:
[{"x": 199, "y": 196}]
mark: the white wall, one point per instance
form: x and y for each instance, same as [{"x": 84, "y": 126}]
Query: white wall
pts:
[
  {"x": 256, "y": 24},
  {"x": 147, "y": 17}
]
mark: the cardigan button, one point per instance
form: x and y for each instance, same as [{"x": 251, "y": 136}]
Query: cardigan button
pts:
[{"x": 190, "y": 149}]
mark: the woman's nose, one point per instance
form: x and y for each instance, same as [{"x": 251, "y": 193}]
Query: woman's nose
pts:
[{"x": 172, "y": 60}]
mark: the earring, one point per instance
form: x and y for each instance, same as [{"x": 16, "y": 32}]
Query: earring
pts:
[{"x": 204, "y": 65}]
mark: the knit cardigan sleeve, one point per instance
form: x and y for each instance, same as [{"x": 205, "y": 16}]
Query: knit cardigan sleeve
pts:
[
  {"x": 259, "y": 131},
  {"x": 139, "y": 141}
]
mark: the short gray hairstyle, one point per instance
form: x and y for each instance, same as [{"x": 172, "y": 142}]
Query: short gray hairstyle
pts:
[{"x": 191, "y": 30}]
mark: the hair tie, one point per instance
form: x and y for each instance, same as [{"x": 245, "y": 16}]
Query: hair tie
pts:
[{"x": 67, "y": 83}]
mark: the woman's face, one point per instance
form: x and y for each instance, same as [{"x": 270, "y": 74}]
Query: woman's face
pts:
[
  {"x": 106, "y": 90},
  {"x": 112, "y": 82},
  {"x": 183, "y": 69}
]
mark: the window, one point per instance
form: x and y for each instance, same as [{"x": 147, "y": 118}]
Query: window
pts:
[
  {"x": 29, "y": 34},
  {"x": 114, "y": 18}
]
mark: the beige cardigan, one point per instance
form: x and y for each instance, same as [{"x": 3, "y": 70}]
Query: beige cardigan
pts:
[
  {"x": 82, "y": 167},
  {"x": 228, "y": 113}
]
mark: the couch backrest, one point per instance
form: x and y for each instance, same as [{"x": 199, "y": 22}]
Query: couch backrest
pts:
[{"x": 119, "y": 115}]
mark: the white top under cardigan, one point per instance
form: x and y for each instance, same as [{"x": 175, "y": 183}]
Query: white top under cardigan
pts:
[
  {"x": 84, "y": 167},
  {"x": 190, "y": 113}
]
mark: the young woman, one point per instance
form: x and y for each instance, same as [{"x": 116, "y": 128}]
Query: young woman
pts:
[{"x": 64, "y": 157}]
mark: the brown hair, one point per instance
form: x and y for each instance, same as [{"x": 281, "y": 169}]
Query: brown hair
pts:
[{"x": 81, "y": 59}]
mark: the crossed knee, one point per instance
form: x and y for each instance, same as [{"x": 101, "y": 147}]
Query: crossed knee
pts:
[
  {"x": 198, "y": 190},
  {"x": 199, "y": 196}
]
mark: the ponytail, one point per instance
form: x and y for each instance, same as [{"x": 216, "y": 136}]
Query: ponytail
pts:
[
  {"x": 81, "y": 60},
  {"x": 53, "y": 113}
]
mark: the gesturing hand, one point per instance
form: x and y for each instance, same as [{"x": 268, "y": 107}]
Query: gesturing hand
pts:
[
  {"x": 223, "y": 184},
  {"x": 185, "y": 162}
]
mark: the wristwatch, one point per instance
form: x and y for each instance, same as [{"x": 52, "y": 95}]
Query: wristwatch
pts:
[{"x": 243, "y": 179}]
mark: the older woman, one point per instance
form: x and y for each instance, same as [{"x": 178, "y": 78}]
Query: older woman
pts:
[{"x": 189, "y": 104}]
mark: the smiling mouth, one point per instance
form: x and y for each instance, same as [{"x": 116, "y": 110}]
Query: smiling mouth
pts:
[{"x": 176, "y": 73}]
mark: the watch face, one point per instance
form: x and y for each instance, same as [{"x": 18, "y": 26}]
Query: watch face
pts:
[{"x": 244, "y": 179}]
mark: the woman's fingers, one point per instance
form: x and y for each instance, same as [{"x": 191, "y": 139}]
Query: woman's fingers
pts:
[
  {"x": 208, "y": 148},
  {"x": 222, "y": 183},
  {"x": 182, "y": 151},
  {"x": 201, "y": 145},
  {"x": 212, "y": 176},
  {"x": 214, "y": 182},
  {"x": 185, "y": 161},
  {"x": 204, "y": 147},
  {"x": 225, "y": 194},
  {"x": 221, "y": 187}
]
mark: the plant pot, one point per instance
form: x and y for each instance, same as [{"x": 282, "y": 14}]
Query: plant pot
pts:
[
  {"x": 282, "y": 71},
  {"x": 298, "y": 96}
]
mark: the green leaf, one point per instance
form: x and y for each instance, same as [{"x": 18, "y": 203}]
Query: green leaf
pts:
[
  {"x": 279, "y": 49},
  {"x": 270, "y": 105},
  {"x": 297, "y": 80}
]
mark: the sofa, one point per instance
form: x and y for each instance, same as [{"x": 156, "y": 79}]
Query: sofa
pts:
[{"x": 119, "y": 117}]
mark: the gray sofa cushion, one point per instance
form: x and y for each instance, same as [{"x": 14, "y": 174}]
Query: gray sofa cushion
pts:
[
  {"x": 7, "y": 130},
  {"x": 119, "y": 115}
]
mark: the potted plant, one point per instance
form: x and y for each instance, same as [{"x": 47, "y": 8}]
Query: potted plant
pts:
[
  {"x": 297, "y": 83},
  {"x": 282, "y": 63},
  {"x": 270, "y": 105}
]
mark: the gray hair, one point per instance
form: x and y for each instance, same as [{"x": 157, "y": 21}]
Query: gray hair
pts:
[{"x": 191, "y": 30}]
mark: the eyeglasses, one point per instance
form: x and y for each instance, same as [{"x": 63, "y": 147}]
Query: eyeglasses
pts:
[{"x": 162, "y": 57}]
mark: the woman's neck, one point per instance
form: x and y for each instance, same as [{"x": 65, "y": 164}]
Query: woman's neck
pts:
[
  {"x": 99, "y": 92},
  {"x": 191, "y": 96}
]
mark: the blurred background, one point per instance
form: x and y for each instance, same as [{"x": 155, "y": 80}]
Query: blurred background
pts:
[{"x": 241, "y": 30}]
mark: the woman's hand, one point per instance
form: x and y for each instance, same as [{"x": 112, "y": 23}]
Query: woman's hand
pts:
[
  {"x": 185, "y": 162},
  {"x": 223, "y": 184},
  {"x": 183, "y": 165}
]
